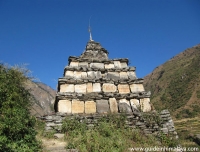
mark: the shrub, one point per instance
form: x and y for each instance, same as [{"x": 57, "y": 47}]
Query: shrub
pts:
[{"x": 17, "y": 126}]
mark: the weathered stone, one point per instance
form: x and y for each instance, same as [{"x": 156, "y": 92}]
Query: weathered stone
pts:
[
  {"x": 67, "y": 88},
  {"x": 123, "y": 65},
  {"x": 113, "y": 75},
  {"x": 89, "y": 87},
  {"x": 123, "y": 88},
  {"x": 59, "y": 135},
  {"x": 107, "y": 87},
  {"x": 113, "y": 105},
  {"x": 97, "y": 65},
  {"x": 64, "y": 106},
  {"x": 77, "y": 106},
  {"x": 80, "y": 88},
  {"x": 136, "y": 87},
  {"x": 97, "y": 74},
  {"x": 117, "y": 64},
  {"x": 109, "y": 66},
  {"x": 123, "y": 75},
  {"x": 91, "y": 74},
  {"x": 145, "y": 104},
  {"x": 77, "y": 74},
  {"x": 83, "y": 75},
  {"x": 69, "y": 74},
  {"x": 131, "y": 75},
  {"x": 83, "y": 64},
  {"x": 96, "y": 87},
  {"x": 74, "y": 64},
  {"x": 135, "y": 103},
  {"x": 102, "y": 106},
  {"x": 90, "y": 107},
  {"x": 124, "y": 106}
]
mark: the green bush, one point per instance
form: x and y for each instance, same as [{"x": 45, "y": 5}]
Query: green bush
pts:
[{"x": 17, "y": 126}]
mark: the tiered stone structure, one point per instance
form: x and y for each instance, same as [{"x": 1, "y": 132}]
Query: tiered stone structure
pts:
[{"x": 92, "y": 83}]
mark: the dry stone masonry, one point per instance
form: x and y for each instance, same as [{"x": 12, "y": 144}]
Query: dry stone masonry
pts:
[{"x": 92, "y": 84}]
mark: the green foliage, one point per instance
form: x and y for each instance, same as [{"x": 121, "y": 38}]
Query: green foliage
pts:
[
  {"x": 109, "y": 134},
  {"x": 17, "y": 126}
]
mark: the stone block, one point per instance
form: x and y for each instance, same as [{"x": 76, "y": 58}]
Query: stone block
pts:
[
  {"x": 113, "y": 105},
  {"x": 74, "y": 64},
  {"x": 124, "y": 106},
  {"x": 109, "y": 66},
  {"x": 145, "y": 104},
  {"x": 131, "y": 75},
  {"x": 123, "y": 88},
  {"x": 90, "y": 107},
  {"x": 89, "y": 87},
  {"x": 67, "y": 88},
  {"x": 117, "y": 64},
  {"x": 97, "y": 74},
  {"x": 83, "y": 75},
  {"x": 113, "y": 75},
  {"x": 96, "y": 87},
  {"x": 91, "y": 74},
  {"x": 77, "y": 74},
  {"x": 136, "y": 87},
  {"x": 102, "y": 106},
  {"x": 135, "y": 103},
  {"x": 123, "y": 75},
  {"x": 69, "y": 74},
  {"x": 64, "y": 106},
  {"x": 77, "y": 106},
  {"x": 97, "y": 65},
  {"x": 80, "y": 88},
  {"x": 83, "y": 64},
  {"x": 123, "y": 65},
  {"x": 108, "y": 87}
]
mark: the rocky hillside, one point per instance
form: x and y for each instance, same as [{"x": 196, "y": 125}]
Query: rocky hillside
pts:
[
  {"x": 175, "y": 85},
  {"x": 43, "y": 98}
]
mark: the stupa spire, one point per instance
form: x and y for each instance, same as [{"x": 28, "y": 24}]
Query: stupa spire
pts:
[{"x": 90, "y": 30}]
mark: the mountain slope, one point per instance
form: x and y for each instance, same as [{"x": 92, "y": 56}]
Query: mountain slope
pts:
[
  {"x": 43, "y": 98},
  {"x": 176, "y": 84}
]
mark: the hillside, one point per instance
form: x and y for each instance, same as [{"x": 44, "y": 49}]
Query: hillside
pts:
[
  {"x": 175, "y": 85},
  {"x": 43, "y": 98}
]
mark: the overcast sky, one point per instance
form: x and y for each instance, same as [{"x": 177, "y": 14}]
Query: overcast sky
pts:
[{"x": 44, "y": 33}]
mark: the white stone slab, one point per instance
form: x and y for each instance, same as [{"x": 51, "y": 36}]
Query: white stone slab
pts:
[
  {"x": 77, "y": 74},
  {"x": 135, "y": 103},
  {"x": 136, "y": 87},
  {"x": 67, "y": 88},
  {"x": 97, "y": 65},
  {"x": 113, "y": 105},
  {"x": 69, "y": 74},
  {"x": 132, "y": 75},
  {"x": 123, "y": 75},
  {"x": 80, "y": 88},
  {"x": 91, "y": 74},
  {"x": 74, "y": 64},
  {"x": 77, "y": 106},
  {"x": 96, "y": 87},
  {"x": 64, "y": 106},
  {"x": 89, "y": 88},
  {"x": 117, "y": 64},
  {"x": 109, "y": 66},
  {"x": 145, "y": 104},
  {"x": 83, "y": 64},
  {"x": 90, "y": 107},
  {"x": 108, "y": 87},
  {"x": 123, "y": 65},
  {"x": 123, "y": 88},
  {"x": 83, "y": 75}
]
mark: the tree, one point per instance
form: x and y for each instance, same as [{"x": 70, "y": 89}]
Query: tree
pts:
[{"x": 16, "y": 124}]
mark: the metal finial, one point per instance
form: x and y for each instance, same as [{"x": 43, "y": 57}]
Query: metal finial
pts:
[{"x": 90, "y": 30}]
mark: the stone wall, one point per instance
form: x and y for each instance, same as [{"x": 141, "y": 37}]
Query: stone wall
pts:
[{"x": 149, "y": 123}]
